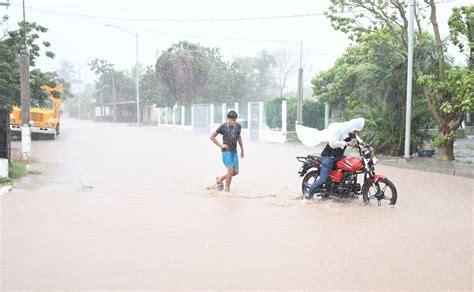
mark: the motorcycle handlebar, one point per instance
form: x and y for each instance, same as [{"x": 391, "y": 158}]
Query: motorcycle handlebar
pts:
[{"x": 362, "y": 146}]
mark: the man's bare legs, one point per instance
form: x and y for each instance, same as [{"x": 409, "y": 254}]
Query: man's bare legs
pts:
[{"x": 231, "y": 172}]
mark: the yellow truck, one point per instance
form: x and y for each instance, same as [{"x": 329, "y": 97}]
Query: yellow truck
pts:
[{"x": 45, "y": 119}]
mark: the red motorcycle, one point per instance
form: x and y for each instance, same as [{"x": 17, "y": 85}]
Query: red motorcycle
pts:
[{"x": 342, "y": 181}]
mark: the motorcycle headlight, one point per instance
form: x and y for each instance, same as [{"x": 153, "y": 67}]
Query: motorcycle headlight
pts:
[
  {"x": 374, "y": 160},
  {"x": 48, "y": 125}
]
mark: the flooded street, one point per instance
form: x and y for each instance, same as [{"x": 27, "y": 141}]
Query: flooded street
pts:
[{"x": 149, "y": 223}]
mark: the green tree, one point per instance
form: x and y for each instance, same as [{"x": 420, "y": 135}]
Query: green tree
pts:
[
  {"x": 66, "y": 71},
  {"x": 461, "y": 31},
  {"x": 112, "y": 83},
  {"x": 368, "y": 82},
  {"x": 226, "y": 82},
  {"x": 185, "y": 70},
  {"x": 11, "y": 45},
  {"x": 258, "y": 75},
  {"x": 100, "y": 66},
  {"x": 391, "y": 17},
  {"x": 152, "y": 90},
  {"x": 50, "y": 79}
]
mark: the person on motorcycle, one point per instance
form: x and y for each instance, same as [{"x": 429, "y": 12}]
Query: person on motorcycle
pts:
[{"x": 339, "y": 136}]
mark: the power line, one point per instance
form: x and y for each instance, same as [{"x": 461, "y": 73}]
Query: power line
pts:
[
  {"x": 182, "y": 35},
  {"x": 291, "y": 16},
  {"x": 180, "y": 20},
  {"x": 80, "y": 17},
  {"x": 164, "y": 33}
]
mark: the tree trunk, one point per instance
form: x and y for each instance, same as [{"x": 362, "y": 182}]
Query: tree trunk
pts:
[
  {"x": 446, "y": 152},
  {"x": 438, "y": 40}
]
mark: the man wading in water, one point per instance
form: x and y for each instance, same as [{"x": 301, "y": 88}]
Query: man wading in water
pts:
[{"x": 230, "y": 132}]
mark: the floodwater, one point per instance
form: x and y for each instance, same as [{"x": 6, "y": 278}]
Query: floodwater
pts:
[{"x": 148, "y": 222}]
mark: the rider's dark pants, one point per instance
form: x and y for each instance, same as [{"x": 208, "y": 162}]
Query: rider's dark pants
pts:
[{"x": 327, "y": 163}]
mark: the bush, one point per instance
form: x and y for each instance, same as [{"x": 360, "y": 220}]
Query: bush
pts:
[
  {"x": 273, "y": 112},
  {"x": 313, "y": 113},
  {"x": 385, "y": 128},
  {"x": 17, "y": 170}
]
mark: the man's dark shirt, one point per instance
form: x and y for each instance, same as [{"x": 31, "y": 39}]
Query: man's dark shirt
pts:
[{"x": 230, "y": 135}]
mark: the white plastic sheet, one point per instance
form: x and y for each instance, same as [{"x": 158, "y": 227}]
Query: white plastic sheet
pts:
[{"x": 311, "y": 137}]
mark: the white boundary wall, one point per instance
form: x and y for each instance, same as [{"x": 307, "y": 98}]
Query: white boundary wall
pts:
[{"x": 167, "y": 117}]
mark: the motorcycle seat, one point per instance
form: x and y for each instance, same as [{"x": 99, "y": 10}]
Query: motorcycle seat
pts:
[{"x": 315, "y": 157}]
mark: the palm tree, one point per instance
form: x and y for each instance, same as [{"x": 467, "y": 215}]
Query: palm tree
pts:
[{"x": 185, "y": 70}]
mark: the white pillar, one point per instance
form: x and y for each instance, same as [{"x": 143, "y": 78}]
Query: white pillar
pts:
[
  {"x": 249, "y": 117},
  {"x": 183, "y": 115},
  {"x": 3, "y": 168},
  {"x": 192, "y": 116},
  {"x": 261, "y": 116},
  {"x": 284, "y": 121},
  {"x": 211, "y": 121},
  {"x": 166, "y": 116},
  {"x": 26, "y": 142},
  {"x": 159, "y": 116},
  {"x": 224, "y": 112},
  {"x": 174, "y": 115},
  {"x": 236, "y": 105}
]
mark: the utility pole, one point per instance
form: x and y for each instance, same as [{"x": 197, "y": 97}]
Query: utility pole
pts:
[
  {"x": 299, "y": 92},
  {"x": 411, "y": 17},
  {"x": 113, "y": 100},
  {"x": 326, "y": 115},
  {"x": 101, "y": 106},
  {"x": 137, "y": 82},
  {"x": 25, "y": 95},
  {"x": 137, "y": 77},
  {"x": 80, "y": 93}
]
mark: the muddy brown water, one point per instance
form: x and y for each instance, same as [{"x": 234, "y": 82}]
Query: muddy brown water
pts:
[{"x": 148, "y": 223}]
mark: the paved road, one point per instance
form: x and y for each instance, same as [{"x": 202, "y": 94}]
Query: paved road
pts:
[{"x": 148, "y": 223}]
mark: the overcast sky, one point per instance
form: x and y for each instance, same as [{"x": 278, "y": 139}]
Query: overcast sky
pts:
[{"x": 80, "y": 39}]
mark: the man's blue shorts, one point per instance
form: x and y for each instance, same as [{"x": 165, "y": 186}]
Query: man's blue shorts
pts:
[{"x": 230, "y": 159}]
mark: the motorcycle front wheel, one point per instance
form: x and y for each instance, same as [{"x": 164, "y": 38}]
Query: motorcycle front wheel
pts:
[{"x": 383, "y": 192}]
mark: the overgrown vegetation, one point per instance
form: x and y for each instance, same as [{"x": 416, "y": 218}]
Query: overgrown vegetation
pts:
[
  {"x": 5, "y": 181},
  {"x": 364, "y": 79},
  {"x": 367, "y": 82},
  {"x": 17, "y": 170}
]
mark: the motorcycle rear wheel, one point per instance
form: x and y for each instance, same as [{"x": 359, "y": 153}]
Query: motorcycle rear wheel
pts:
[{"x": 308, "y": 180}]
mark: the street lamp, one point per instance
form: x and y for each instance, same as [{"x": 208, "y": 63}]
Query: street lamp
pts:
[{"x": 136, "y": 68}]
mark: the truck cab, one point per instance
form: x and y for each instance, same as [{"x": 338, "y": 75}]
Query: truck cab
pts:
[{"x": 44, "y": 118}]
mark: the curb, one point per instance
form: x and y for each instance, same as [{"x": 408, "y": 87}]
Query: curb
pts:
[{"x": 429, "y": 165}]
